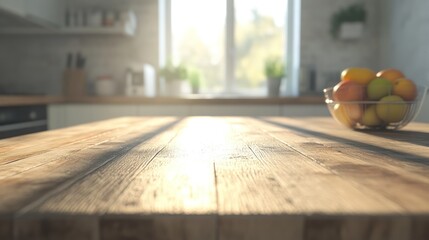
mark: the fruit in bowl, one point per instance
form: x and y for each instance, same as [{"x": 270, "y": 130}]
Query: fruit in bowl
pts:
[{"x": 367, "y": 100}]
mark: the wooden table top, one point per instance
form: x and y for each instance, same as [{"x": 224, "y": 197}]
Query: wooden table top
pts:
[{"x": 211, "y": 178}]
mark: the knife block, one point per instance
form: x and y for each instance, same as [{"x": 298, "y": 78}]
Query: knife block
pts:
[{"x": 74, "y": 84}]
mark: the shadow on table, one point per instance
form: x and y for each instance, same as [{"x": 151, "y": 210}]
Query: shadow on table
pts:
[
  {"x": 115, "y": 153},
  {"x": 414, "y": 137},
  {"x": 110, "y": 154},
  {"x": 402, "y": 156}
]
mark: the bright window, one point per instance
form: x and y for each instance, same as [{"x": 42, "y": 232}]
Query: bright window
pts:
[
  {"x": 198, "y": 39},
  {"x": 228, "y": 41},
  {"x": 259, "y": 34}
]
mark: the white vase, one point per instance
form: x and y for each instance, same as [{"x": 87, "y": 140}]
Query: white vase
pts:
[
  {"x": 174, "y": 87},
  {"x": 274, "y": 87},
  {"x": 351, "y": 30}
]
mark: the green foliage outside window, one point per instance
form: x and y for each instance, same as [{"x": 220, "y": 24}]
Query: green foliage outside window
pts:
[{"x": 274, "y": 68}]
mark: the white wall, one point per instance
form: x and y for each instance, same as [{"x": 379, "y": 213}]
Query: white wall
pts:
[
  {"x": 330, "y": 56},
  {"x": 35, "y": 63},
  {"x": 404, "y": 41}
]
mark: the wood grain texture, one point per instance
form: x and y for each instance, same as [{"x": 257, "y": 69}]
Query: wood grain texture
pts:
[
  {"x": 366, "y": 160},
  {"x": 293, "y": 181},
  {"x": 6, "y": 229},
  {"x": 216, "y": 178},
  {"x": 255, "y": 227},
  {"x": 19, "y": 148},
  {"x": 82, "y": 228},
  {"x": 356, "y": 228},
  {"x": 35, "y": 176},
  {"x": 159, "y": 228}
]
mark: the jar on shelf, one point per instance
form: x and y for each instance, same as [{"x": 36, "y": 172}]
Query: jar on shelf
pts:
[
  {"x": 109, "y": 18},
  {"x": 95, "y": 18}
]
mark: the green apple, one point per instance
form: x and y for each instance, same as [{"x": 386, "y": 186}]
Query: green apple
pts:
[
  {"x": 379, "y": 88},
  {"x": 370, "y": 117},
  {"x": 391, "y": 109}
]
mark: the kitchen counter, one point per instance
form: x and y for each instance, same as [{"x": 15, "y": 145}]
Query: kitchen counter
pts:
[
  {"x": 199, "y": 100},
  {"x": 17, "y": 100},
  {"x": 216, "y": 178},
  {"x": 22, "y": 100}
]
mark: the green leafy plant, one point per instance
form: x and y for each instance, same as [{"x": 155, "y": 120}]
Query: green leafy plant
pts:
[
  {"x": 353, "y": 13},
  {"x": 195, "y": 77},
  {"x": 173, "y": 72},
  {"x": 274, "y": 68}
]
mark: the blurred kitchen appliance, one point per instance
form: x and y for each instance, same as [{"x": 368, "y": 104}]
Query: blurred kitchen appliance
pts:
[
  {"x": 140, "y": 81},
  {"x": 19, "y": 120},
  {"x": 105, "y": 86}
]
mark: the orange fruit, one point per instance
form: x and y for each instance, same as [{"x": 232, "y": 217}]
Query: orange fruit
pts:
[
  {"x": 390, "y": 74},
  {"x": 359, "y": 75},
  {"x": 405, "y": 88}
]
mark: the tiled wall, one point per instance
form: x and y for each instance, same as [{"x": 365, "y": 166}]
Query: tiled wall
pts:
[
  {"x": 330, "y": 56},
  {"x": 35, "y": 63}
]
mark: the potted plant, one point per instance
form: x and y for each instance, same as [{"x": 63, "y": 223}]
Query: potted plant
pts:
[
  {"x": 174, "y": 76},
  {"x": 195, "y": 78},
  {"x": 347, "y": 23},
  {"x": 274, "y": 72}
]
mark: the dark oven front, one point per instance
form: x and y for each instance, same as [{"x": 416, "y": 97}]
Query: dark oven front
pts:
[{"x": 20, "y": 120}]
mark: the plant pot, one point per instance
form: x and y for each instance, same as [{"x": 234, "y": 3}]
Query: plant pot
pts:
[
  {"x": 274, "y": 87},
  {"x": 174, "y": 87},
  {"x": 351, "y": 30},
  {"x": 195, "y": 89}
]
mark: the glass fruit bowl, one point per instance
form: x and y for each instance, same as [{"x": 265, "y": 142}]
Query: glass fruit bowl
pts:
[{"x": 390, "y": 113}]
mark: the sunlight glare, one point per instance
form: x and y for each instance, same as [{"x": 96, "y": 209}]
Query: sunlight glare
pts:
[{"x": 195, "y": 150}]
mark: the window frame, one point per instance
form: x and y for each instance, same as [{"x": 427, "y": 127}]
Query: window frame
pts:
[{"x": 292, "y": 46}]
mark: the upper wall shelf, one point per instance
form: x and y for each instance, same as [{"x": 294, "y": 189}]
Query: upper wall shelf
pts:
[
  {"x": 125, "y": 25},
  {"x": 71, "y": 31}
]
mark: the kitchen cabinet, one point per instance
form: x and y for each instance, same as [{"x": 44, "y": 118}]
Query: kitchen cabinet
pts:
[
  {"x": 235, "y": 110},
  {"x": 65, "y": 115}
]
